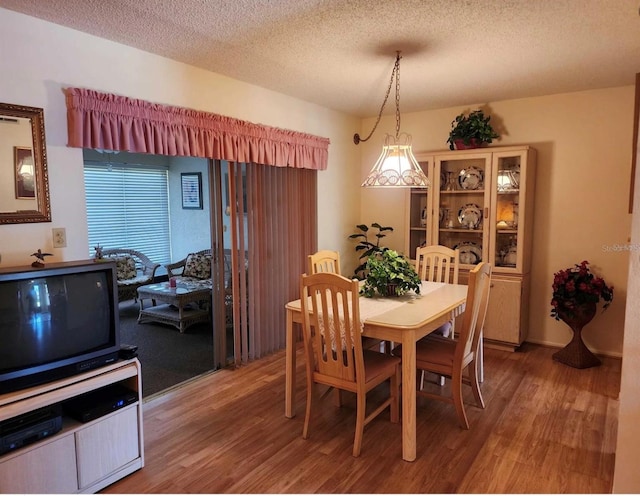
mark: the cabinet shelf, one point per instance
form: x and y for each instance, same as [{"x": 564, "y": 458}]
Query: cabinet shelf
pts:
[
  {"x": 460, "y": 230},
  {"x": 463, "y": 192}
]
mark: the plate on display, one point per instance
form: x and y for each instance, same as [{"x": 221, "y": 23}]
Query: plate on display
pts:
[
  {"x": 509, "y": 256},
  {"x": 470, "y": 178},
  {"x": 470, "y": 252},
  {"x": 470, "y": 215}
]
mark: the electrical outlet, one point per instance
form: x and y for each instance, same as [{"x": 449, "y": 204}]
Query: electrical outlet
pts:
[{"x": 59, "y": 237}]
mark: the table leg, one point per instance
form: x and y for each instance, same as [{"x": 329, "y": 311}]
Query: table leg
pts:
[
  {"x": 408, "y": 396},
  {"x": 180, "y": 317},
  {"x": 290, "y": 368}
]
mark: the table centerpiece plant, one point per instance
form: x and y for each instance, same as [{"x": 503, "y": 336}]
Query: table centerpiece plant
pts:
[
  {"x": 389, "y": 274},
  {"x": 576, "y": 294}
]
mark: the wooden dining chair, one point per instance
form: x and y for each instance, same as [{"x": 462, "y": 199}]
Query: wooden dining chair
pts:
[
  {"x": 328, "y": 261},
  {"x": 438, "y": 263},
  {"x": 451, "y": 357},
  {"x": 324, "y": 261},
  {"x": 333, "y": 349}
]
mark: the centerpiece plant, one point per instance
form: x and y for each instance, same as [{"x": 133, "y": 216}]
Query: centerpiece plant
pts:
[{"x": 389, "y": 274}]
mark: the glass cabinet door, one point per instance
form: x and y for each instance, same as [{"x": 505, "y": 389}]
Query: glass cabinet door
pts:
[
  {"x": 507, "y": 226},
  {"x": 420, "y": 211},
  {"x": 463, "y": 205}
]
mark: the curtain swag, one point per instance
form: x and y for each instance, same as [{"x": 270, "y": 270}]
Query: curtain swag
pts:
[{"x": 112, "y": 122}]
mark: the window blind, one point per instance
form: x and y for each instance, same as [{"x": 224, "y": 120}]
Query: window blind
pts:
[{"x": 128, "y": 207}]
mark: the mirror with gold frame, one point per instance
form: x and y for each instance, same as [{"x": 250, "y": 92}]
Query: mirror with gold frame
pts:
[{"x": 24, "y": 182}]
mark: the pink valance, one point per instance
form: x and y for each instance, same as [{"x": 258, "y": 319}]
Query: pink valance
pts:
[{"x": 113, "y": 122}]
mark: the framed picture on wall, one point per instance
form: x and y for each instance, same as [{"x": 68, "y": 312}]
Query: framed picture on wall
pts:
[
  {"x": 191, "y": 190},
  {"x": 24, "y": 173}
]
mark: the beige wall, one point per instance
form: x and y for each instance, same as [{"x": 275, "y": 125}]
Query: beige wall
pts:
[
  {"x": 50, "y": 58},
  {"x": 582, "y": 189}
]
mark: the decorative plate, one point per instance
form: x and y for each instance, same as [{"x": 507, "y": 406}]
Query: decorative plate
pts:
[
  {"x": 509, "y": 256},
  {"x": 470, "y": 178},
  {"x": 470, "y": 252},
  {"x": 470, "y": 216}
]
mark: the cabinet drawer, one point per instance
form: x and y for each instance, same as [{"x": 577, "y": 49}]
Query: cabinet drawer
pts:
[
  {"x": 42, "y": 468},
  {"x": 105, "y": 446}
]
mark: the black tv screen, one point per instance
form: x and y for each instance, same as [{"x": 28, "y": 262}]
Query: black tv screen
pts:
[{"x": 56, "y": 321}]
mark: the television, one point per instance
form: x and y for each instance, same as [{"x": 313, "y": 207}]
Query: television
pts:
[{"x": 56, "y": 321}]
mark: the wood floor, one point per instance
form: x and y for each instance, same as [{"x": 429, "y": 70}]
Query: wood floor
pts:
[{"x": 546, "y": 428}]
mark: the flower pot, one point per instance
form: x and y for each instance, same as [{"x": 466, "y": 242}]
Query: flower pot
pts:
[
  {"x": 473, "y": 143},
  {"x": 576, "y": 354},
  {"x": 391, "y": 290}
]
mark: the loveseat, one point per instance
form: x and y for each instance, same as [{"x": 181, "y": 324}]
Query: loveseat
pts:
[
  {"x": 193, "y": 271},
  {"x": 133, "y": 269}
]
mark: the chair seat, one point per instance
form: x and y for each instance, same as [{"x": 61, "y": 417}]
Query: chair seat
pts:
[
  {"x": 433, "y": 349},
  {"x": 378, "y": 364}
]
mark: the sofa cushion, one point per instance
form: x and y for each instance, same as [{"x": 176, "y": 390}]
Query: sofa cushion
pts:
[
  {"x": 198, "y": 265},
  {"x": 125, "y": 268}
]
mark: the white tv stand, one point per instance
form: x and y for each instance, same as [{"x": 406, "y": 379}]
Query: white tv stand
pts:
[{"x": 82, "y": 457}]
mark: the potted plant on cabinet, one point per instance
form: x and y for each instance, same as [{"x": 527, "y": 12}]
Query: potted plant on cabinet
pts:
[
  {"x": 471, "y": 131},
  {"x": 389, "y": 274}
]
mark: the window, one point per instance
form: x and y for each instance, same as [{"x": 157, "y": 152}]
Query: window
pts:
[{"x": 128, "y": 207}]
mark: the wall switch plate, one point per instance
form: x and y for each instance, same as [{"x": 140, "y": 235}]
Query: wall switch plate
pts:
[{"x": 59, "y": 237}]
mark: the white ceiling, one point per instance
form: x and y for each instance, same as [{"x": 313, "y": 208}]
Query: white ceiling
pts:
[{"x": 340, "y": 53}]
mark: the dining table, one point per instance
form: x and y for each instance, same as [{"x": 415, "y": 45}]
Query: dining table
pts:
[{"x": 400, "y": 319}]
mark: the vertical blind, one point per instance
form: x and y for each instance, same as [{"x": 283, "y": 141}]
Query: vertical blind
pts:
[
  {"x": 128, "y": 207},
  {"x": 280, "y": 218}
]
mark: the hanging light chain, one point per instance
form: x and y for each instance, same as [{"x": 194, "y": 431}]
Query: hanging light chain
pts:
[
  {"x": 397, "y": 71},
  {"x": 395, "y": 74}
]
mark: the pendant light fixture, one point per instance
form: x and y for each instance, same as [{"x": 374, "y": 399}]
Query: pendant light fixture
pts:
[{"x": 396, "y": 166}]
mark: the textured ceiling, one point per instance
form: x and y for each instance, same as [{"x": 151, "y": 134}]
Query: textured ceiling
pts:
[{"x": 340, "y": 53}]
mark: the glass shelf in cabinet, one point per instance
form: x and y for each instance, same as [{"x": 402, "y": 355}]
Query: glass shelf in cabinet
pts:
[{"x": 462, "y": 192}]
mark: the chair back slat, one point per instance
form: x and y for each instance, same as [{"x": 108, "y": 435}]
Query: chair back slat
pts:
[{"x": 438, "y": 263}]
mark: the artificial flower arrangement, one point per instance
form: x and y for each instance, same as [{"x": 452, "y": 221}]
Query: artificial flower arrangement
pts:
[{"x": 576, "y": 286}]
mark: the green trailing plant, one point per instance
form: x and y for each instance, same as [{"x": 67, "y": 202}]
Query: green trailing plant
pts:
[
  {"x": 475, "y": 126},
  {"x": 365, "y": 247},
  {"x": 389, "y": 274}
]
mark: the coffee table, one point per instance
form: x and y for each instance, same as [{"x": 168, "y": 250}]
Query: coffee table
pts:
[{"x": 180, "y": 305}]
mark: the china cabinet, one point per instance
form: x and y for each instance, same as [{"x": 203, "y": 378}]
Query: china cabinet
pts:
[{"x": 481, "y": 202}]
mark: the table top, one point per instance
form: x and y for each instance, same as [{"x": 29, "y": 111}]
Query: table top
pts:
[
  {"x": 409, "y": 311},
  {"x": 163, "y": 288}
]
